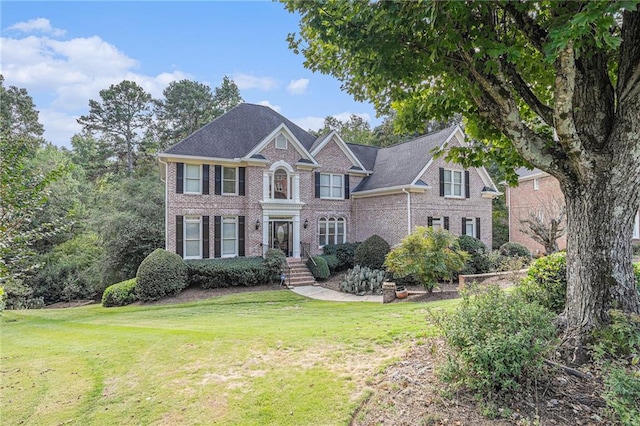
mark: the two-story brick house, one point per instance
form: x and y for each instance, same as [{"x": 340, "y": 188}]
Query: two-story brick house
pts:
[{"x": 252, "y": 179}]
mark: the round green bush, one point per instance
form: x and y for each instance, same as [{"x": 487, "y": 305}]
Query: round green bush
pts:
[
  {"x": 372, "y": 252},
  {"x": 160, "y": 274},
  {"x": 274, "y": 261},
  {"x": 332, "y": 262},
  {"x": 318, "y": 267},
  {"x": 514, "y": 250},
  {"x": 479, "y": 262},
  {"x": 546, "y": 282},
  {"x": 120, "y": 294}
]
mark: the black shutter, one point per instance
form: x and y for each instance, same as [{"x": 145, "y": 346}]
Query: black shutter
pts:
[
  {"x": 429, "y": 221},
  {"x": 242, "y": 171},
  {"x": 205, "y": 179},
  {"x": 441, "y": 181},
  {"x": 179, "y": 178},
  {"x": 477, "y": 227},
  {"x": 467, "y": 193},
  {"x": 217, "y": 234},
  {"x": 205, "y": 237},
  {"x": 346, "y": 187},
  {"x": 241, "y": 236},
  {"x": 446, "y": 223},
  {"x": 464, "y": 226},
  {"x": 180, "y": 236},
  {"x": 218, "y": 180},
  {"x": 317, "y": 184}
]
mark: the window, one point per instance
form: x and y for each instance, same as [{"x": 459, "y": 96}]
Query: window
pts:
[
  {"x": 536, "y": 185},
  {"x": 192, "y": 179},
  {"x": 470, "y": 227},
  {"x": 453, "y": 183},
  {"x": 192, "y": 238},
  {"x": 229, "y": 181},
  {"x": 437, "y": 223},
  {"x": 281, "y": 142},
  {"x": 331, "y": 231},
  {"x": 331, "y": 186},
  {"x": 636, "y": 226},
  {"x": 229, "y": 237},
  {"x": 281, "y": 188}
]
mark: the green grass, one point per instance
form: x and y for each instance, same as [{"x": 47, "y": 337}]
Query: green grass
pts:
[{"x": 248, "y": 359}]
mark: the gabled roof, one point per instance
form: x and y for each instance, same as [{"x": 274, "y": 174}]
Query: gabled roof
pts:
[
  {"x": 403, "y": 163},
  {"x": 365, "y": 153},
  {"x": 237, "y": 132},
  {"x": 524, "y": 173}
]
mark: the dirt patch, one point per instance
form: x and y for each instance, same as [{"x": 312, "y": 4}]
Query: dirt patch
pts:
[
  {"x": 409, "y": 393},
  {"x": 73, "y": 304}
]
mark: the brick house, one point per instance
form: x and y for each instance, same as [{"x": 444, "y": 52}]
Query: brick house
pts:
[
  {"x": 252, "y": 179},
  {"x": 540, "y": 193}
]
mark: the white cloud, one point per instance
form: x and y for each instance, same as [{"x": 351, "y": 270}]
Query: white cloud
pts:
[
  {"x": 248, "y": 81},
  {"x": 298, "y": 87},
  {"x": 309, "y": 123},
  {"x": 276, "y": 108},
  {"x": 38, "y": 25}
]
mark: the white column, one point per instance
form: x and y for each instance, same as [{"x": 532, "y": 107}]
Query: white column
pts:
[
  {"x": 296, "y": 235},
  {"x": 296, "y": 187},
  {"x": 265, "y": 186},
  {"x": 265, "y": 233}
]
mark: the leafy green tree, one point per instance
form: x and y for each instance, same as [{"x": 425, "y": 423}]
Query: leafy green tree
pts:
[
  {"x": 18, "y": 115},
  {"x": 121, "y": 118},
  {"x": 354, "y": 130},
  {"x": 547, "y": 84},
  {"x": 427, "y": 254},
  {"x": 226, "y": 96}
]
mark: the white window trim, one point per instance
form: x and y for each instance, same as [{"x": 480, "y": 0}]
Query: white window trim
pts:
[
  {"x": 192, "y": 219},
  {"x": 440, "y": 224},
  {"x": 272, "y": 179},
  {"x": 185, "y": 179},
  {"x": 462, "y": 185},
  {"x": 222, "y": 180},
  {"x": 286, "y": 141},
  {"x": 536, "y": 184},
  {"x": 325, "y": 221},
  {"x": 233, "y": 220},
  {"x": 331, "y": 187},
  {"x": 472, "y": 221},
  {"x": 636, "y": 226}
]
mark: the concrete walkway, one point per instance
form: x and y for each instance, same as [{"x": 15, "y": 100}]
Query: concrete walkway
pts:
[{"x": 321, "y": 293}]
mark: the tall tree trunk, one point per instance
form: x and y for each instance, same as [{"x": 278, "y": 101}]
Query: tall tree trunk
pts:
[{"x": 599, "y": 269}]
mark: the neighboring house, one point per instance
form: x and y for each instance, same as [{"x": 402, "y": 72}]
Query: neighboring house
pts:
[
  {"x": 252, "y": 179},
  {"x": 538, "y": 192}
]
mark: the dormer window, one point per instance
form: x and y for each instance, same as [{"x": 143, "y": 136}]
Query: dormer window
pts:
[{"x": 281, "y": 141}]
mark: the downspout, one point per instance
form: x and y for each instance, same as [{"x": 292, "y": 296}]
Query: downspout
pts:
[
  {"x": 408, "y": 210},
  {"x": 166, "y": 202},
  {"x": 508, "y": 213}
]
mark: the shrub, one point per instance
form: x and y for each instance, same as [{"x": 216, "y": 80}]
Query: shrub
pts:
[
  {"x": 479, "y": 262},
  {"x": 514, "y": 250},
  {"x": 318, "y": 267},
  {"x": 332, "y": 262},
  {"x": 3, "y": 298},
  {"x": 622, "y": 394},
  {"x": 274, "y": 261},
  {"x": 344, "y": 252},
  {"x": 497, "y": 341},
  {"x": 120, "y": 294},
  {"x": 20, "y": 296},
  {"x": 361, "y": 280},
  {"x": 160, "y": 274},
  {"x": 428, "y": 254},
  {"x": 233, "y": 272},
  {"x": 546, "y": 282},
  {"x": 636, "y": 272},
  {"x": 372, "y": 252}
]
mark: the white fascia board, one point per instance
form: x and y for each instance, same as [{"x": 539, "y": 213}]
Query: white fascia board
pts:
[
  {"x": 307, "y": 166},
  {"x": 198, "y": 159},
  {"x": 342, "y": 145},
  {"x": 533, "y": 176},
  {"x": 390, "y": 190},
  {"x": 296, "y": 143},
  {"x": 490, "y": 194}
]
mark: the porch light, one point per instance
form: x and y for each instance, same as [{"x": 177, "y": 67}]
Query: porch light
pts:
[
  {"x": 306, "y": 223},
  {"x": 257, "y": 224}
]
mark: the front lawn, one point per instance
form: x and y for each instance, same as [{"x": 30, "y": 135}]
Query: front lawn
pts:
[{"x": 249, "y": 359}]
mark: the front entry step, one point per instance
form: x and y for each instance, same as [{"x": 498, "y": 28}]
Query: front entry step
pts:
[{"x": 298, "y": 273}]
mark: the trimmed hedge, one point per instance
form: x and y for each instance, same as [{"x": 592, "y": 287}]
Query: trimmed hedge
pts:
[
  {"x": 233, "y": 272},
  {"x": 344, "y": 252},
  {"x": 372, "y": 252},
  {"x": 514, "y": 250},
  {"x": 120, "y": 294},
  {"x": 332, "y": 262},
  {"x": 274, "y": 261},
  {"x": 160, "y": 274},
  {"x": 319, "y": 269}
]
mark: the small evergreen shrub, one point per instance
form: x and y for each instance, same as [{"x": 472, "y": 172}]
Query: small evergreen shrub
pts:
[
  {"x": 546, "y": 282},
  {"x": 497, "y": 342},
  {"x": 318, "y": 267},
  {"x": 515, "y": 250},
  {"x": 233, "y": 272},
  {"x": 120, "y": 294},
  {"x": 479, "y": 262},
  {"x": 362, "y": 280},
  {"x": 17, "y": 295},
  {"x": 160, "y": 274},
  {"x": 332, "y": 262},
  {"x": 344, "y": 252},
  {"x": 372, "y": 252},
  {"x": 274, "y": 261}
]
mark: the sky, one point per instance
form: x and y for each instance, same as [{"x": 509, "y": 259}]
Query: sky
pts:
[{"x": 64, "y": 53}]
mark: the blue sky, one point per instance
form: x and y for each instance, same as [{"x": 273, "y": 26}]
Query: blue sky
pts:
[{"x": 64, "y": 53}]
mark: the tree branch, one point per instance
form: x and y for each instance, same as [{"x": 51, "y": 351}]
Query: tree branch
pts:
[
  {"x": 521, "y": 86},
  {"x": 534, "y": 33},
  {"x": 629, "y": 71}
]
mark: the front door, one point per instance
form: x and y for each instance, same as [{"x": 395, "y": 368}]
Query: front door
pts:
[{"x": 281, "y": 236}]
